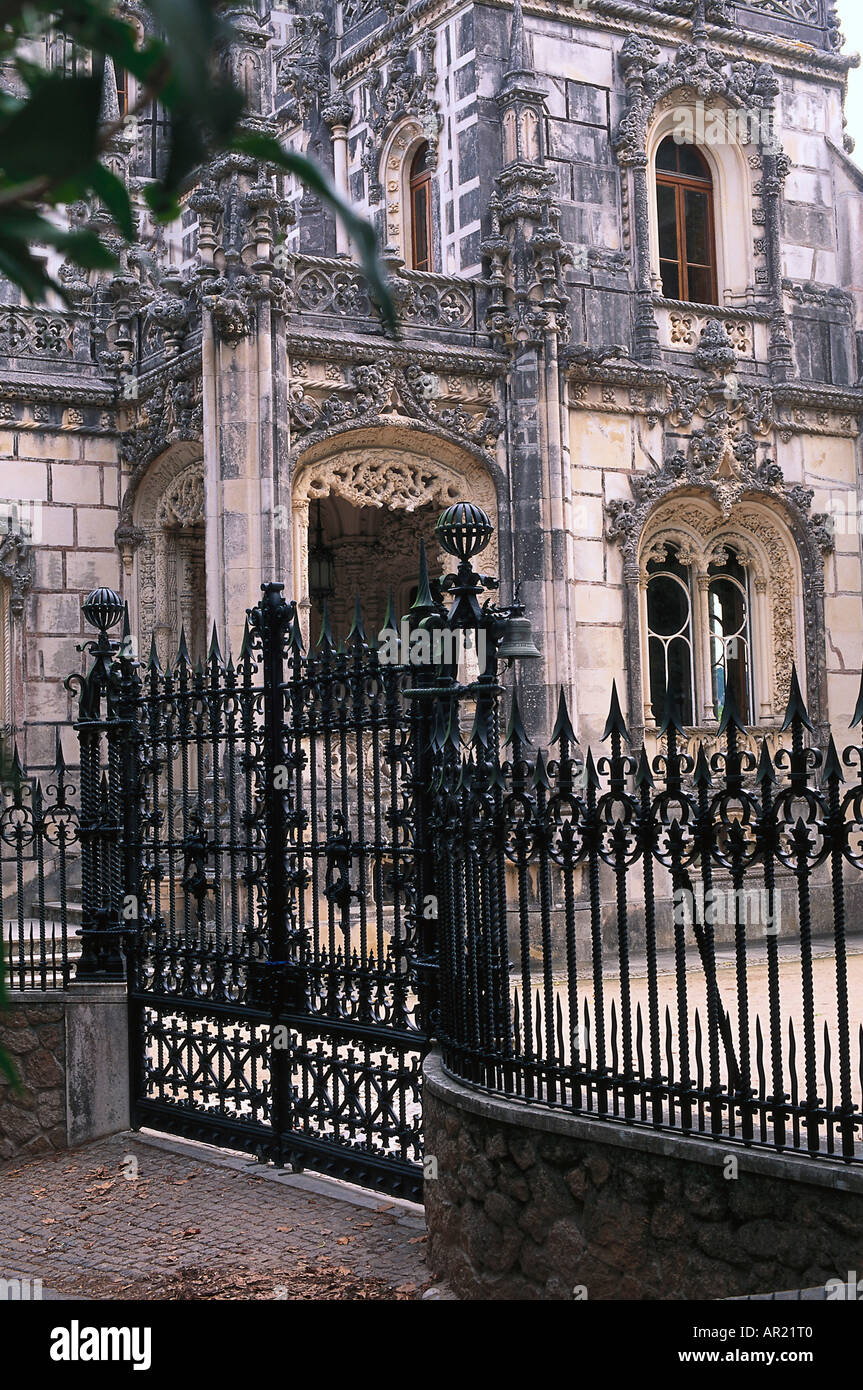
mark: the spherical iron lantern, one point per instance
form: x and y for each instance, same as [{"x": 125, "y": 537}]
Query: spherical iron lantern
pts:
[
  {"x": 103, "y": 609},
  {"x": 464, "y": 530}
]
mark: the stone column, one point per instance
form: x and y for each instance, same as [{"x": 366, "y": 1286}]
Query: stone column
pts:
[
  {"x": 337, "y": 115},
  {"x": 646, "y": 333},
  {"x": 780, "y": 351}
]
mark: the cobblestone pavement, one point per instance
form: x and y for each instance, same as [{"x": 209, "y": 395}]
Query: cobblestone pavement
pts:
[{"x": 137, "y": 1216}]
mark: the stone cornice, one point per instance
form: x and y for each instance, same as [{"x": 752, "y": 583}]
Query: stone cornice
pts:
[
  {"x": 616, "y": 373},
  {"x": 835, "y": 400},
  {"x": 713, "y": 311},
  {"x": 186, "y": 363},
  {"x": 353, "y": 348},
  {"x": 805, "y": 393},
  {"x": 69, "y": 393},
  {"x": 617, "y": 16}
]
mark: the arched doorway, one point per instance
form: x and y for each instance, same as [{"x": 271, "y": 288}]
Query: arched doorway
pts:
[
  {"x": 169, "y": 571},
  {"x": 376, "y": 499}
]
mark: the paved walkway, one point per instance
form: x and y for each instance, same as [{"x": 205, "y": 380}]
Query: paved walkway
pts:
[{"x": 137, "y": 1216}]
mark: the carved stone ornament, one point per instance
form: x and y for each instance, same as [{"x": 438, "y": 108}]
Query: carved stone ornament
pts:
[
  {"x": 721, "y": 458},
  {"x": 172, "y": 413},
  {"x": 301, "y": 71},
  {"x": 232, "y": 307},
  {"x": 697, "y": 68},
  {"x": 378, "y": 389},
  {"x": 17, "y": 567},
  {"x": 407, "y": 92},
  {"x": 241, "y": 256}
]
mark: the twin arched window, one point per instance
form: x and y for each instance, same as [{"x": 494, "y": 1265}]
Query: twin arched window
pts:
[
  {"x": 686, "y": 223},
  {"x": 691, "y": 626}
]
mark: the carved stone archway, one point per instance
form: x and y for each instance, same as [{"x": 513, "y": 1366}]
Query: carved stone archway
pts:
[
  {"x": 370, "y": 472},
  {"x": 766, "y": 547},
  {"x": 164, "y": 551}
]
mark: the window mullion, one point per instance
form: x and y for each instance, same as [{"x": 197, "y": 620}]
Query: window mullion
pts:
[
  {"x": 681, "y": 243},
  {"x": 706, "y": 710}
]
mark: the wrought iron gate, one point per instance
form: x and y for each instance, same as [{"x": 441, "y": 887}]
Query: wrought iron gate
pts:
[
  {"x": 250, "y": 830},
  {"x": 310, "y": 862}
]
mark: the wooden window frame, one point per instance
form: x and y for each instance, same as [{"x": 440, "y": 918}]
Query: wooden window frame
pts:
[
  {"x": 415, "y": 183},
  {"x": 122, "y": 82},
  {"x": 681, "y": 183}
]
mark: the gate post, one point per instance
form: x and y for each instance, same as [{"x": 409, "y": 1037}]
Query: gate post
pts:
[
  {"x": 459, "y": 797},
  {"x": 281, "y": 978},
  {"x": 279, "y": 981},
  {"x": 425, "y": 613},
  {"x": 106, "y": 707}
]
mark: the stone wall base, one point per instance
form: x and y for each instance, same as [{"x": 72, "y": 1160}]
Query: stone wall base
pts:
[
  {"x": 530, "y": 1203},
  {"x": 70, "y": 1049}
]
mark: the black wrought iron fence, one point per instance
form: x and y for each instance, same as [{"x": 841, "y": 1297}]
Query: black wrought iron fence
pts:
[
  {"x": 39, "y": 874},
  {"x": 668, "y": 941},
  {"x": 310, "y": 862}
]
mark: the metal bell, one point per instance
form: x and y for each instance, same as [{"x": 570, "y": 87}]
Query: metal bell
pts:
[{"x": 517, "y": 643}]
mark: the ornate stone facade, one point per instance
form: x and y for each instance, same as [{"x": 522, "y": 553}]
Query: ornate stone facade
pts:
[{"x": 176, "y": 427}]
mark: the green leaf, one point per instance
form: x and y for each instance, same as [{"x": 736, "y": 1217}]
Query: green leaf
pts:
[
  {"x": 191, "y": 28},
  {"x": 360, "y": 230},
  {"x": 186, "y": 153},
  {"x": 163, "y": 204},
  {"x": 56, "y": 132},
  {"x": 85, "y": 249},
  {"x": 19, "y": 266},
  {"x": 115, "y": 196}
]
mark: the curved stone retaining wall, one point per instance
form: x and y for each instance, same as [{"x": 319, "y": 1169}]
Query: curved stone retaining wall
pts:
[{"x": 530, "y": 1203}]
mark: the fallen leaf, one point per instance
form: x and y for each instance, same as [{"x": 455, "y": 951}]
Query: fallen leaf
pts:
[{"x": 343, "y": 1240}]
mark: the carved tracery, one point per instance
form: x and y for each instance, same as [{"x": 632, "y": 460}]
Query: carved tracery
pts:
[
  {"x": 389, "y": 477},
  {"x": 169, "y": 557}
]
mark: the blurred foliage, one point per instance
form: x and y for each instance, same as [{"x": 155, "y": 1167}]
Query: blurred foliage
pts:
[{"x": 53, "y": 135}]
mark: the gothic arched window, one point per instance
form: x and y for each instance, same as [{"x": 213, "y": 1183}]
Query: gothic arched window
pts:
[
  {"x": 420, "y": 203},
  {"x": 703, "y": 597},
  {"x": 669, "y": 632},
  {"x": 686, "y": 221},
  {"x": 730, "y": 635}
]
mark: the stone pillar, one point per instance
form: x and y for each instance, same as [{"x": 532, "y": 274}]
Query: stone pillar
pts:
[
  {"x": 646, "y": 331},
  {"x": 337, "y": 115},
  {"x": 97, "y": 1061},
  {"x": 70, "y": 1049},
  {"x": 780, "y": 351}
]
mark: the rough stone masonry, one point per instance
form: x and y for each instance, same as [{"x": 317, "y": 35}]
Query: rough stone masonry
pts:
[
  {"x": 33, "y": 1119},
  {"x": 534, "y": 1204}
]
